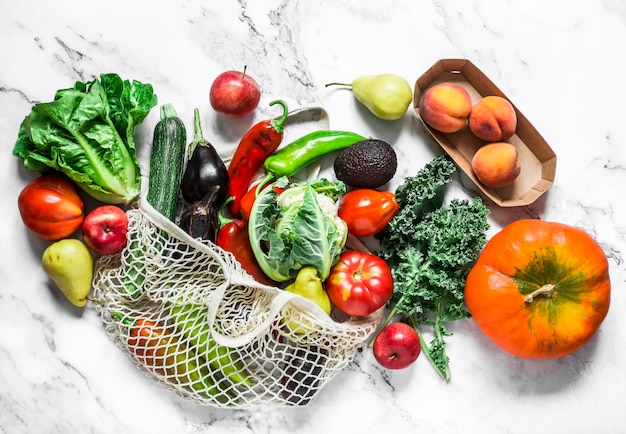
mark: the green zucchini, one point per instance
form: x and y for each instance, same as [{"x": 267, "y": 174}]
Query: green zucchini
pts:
[{"x": 167, "y": 161}]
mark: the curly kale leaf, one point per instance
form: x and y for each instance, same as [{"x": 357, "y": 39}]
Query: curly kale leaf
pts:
[
  {"x": 429, "y": 248},
  {"x": 417, "y": 196},
  {"x": 433, "y": 260}
]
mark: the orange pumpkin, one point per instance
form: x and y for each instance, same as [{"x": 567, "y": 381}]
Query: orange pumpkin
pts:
[{"x": 539, "y": 289}]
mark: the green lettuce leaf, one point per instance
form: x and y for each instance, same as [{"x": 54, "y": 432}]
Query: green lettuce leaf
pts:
[{"x": 86, "y": 132}]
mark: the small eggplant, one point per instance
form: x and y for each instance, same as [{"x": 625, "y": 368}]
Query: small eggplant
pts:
[
  {"x": 205, "y": 171},
  {"x": 200, "y": 219}
]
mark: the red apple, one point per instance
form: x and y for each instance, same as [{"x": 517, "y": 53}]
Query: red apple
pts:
[
  {"x": 235, "y": 93},
  {"x": 397, "y": 346},
  {"x": 105, "y": 228}
]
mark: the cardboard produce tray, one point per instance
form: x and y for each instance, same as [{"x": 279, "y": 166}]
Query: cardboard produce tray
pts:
[{"x": 538, "y": 161}]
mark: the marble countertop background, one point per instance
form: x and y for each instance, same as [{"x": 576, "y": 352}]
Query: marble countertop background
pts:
[{"x": 563, "y": 66}]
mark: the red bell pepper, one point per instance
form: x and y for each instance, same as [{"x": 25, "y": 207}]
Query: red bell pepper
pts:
[
  {"x": 255, "y": 146},
  {"x": 233, "y": 237},
  {"x": 50, "y": 207},
  {"x": 367, "y": 211}
]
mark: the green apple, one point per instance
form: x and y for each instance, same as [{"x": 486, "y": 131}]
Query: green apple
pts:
[{"x": 69, "y": 264}]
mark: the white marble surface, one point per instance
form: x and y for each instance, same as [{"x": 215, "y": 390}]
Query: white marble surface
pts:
[{"x": 560, "y": 62}]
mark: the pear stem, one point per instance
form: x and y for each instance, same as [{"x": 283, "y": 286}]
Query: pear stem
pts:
[
  {"x": 95, "y": 300},
  {"x": 339, "y": 84}
]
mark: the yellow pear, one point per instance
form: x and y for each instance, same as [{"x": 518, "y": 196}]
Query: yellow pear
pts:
[
  {"x": 386, "y": 95},
  {"x": 308, "y": 285},
  {"x": 69, "y": 264}
]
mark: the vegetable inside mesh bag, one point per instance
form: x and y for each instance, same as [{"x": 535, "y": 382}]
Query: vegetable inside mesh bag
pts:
[{"x": 191, "y": 318}]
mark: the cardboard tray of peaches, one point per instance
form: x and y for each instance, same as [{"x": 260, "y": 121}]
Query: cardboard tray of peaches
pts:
[{"x": 536, "y": 162}]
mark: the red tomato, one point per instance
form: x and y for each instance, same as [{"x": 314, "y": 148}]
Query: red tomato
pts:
[
  {"x": 367, "y": 211},
  {"x": 359, "y": 283},
  {"x": 50, "y": 207}
]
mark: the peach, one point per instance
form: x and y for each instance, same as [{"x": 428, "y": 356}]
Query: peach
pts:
[
  {"x": 496, "y": 164},
  {"x": 445, "y": 107},
  {"x": 493, "y": 119}
]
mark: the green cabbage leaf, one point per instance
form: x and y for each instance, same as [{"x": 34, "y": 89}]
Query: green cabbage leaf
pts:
[{"x": 297, "y": 228}]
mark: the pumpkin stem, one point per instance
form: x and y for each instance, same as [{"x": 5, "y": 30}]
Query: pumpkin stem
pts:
[{"x": 546, "y": 290}]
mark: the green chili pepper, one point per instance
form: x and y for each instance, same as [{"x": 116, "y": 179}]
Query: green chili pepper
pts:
[
  {"x": 298, "y": 154},
  {"x": 190, "y": 320}
]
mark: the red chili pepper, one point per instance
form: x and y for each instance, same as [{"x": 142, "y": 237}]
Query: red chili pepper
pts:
[
  {"x": 255, "y": 146},
  {"x": 233, "y": 237}
]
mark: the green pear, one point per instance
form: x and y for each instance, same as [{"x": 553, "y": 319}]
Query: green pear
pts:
[
  {"x": 386, "y": 95},
  {"x": 69, "y": 264},
  {"x": 308, "y": 285}
]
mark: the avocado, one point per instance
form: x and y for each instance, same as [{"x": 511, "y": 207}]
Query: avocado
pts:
[{"x": 366, "y": 164}]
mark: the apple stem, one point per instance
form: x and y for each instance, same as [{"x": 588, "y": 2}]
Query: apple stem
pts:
[
  {"x": 243, "y": 73},
  {"x": 338, "y": 84}
]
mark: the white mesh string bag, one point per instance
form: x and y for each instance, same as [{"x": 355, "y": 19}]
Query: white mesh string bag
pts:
[{"x": 192, "y": 319}]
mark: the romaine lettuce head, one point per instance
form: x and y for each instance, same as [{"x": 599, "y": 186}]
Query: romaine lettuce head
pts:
[
  {"x": 86, "y": 132},
  {"x": 297, "y": 228}
]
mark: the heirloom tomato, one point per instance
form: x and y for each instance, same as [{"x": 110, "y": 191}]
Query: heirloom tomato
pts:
[
  {"x": 50, "y": 207},
  {"x": 359, "y": 283},
  {"x": 367, "y": 211}
]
